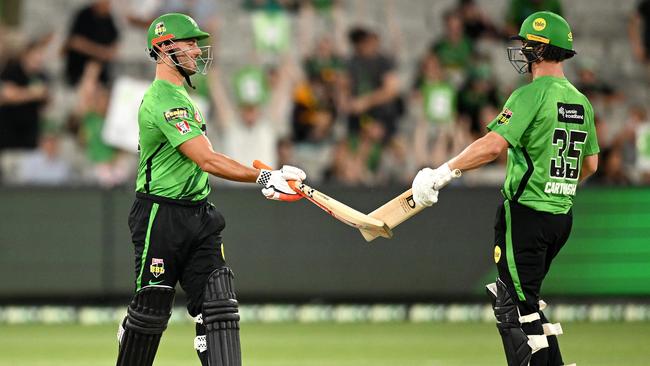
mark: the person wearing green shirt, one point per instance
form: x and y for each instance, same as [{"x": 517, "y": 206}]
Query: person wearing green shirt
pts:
[
  {"x": 176, "y": 232},
  {"x": 547, "y": 127}
]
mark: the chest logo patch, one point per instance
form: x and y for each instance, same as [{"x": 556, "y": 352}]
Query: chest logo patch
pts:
[
  {"x": 570, "y": 113},
  {"x": 176, "y": 113}
]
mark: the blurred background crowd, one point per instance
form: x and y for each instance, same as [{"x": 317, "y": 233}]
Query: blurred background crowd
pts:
[{"x": 356, "y": 92}]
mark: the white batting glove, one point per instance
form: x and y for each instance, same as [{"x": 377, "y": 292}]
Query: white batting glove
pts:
[
  {"x": 422, "y": 188},
  {"x": 442, "y": 176},
  {"x": 274, "y": 183}
]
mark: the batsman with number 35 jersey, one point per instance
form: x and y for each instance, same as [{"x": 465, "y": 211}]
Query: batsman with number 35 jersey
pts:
[
  {"x": 547, "y": 126},
  {"x": 175, "y": 231}
]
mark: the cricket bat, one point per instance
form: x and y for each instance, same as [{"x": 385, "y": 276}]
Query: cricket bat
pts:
[
  {"x": 340, "y": 211},
  {"x": 398, "y": 210}
]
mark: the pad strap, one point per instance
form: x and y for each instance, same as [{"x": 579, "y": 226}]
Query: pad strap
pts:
[{"x": 552, "y": 329}]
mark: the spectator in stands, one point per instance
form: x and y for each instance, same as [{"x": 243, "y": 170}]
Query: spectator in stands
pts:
[
  {"x": 454, "y": 48},
  {"x": 372, "y": 85},
  {"x": 93, "y": 37},
  {"x": 357, "y": 158},
  {"x": 639, "y": 31},
  {"x": 109, "y": 169},
  {"x": 590, "y": 85},
  {"x": 476, "y": 24},
  {"x": 24, "y": 92},
  {"x": 479, "y": 90},
  {"x": 518, "y": 10},
  {"x": 45, "y": 166},
  {"x": 253, "y": 130}
]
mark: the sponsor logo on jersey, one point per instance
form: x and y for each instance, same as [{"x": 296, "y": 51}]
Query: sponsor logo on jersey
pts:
[
  {"x": 157, "y": 267},
  {"x": 176, "y": 113},
  {"x": 160, "y": 29},
  {"x": 560, "y": 188},
  {"x": 504, "y": 117},
  {"x": 497, "y": 253},
  {"x": 571, "y": 113},
  {"x": 183, "y": 127},
  {"x": 197, "y": 116},
  {"x": 539, "y": 24}
]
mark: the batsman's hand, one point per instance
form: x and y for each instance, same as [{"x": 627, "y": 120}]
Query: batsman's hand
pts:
[
  {"x": 423, "y": 192},
  {"x": 275, "y": 182},
  {"x": 429, "y": 181}
]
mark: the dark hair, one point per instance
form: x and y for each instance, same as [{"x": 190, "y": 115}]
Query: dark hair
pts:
[
  {"x": 358, "y": 34},
  {"x": 557, "y": 54}
]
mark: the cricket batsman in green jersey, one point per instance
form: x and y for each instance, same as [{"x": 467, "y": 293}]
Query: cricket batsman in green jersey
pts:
[
  {"x": 175, "y": 231},
  {"x": 547, "y": 126}
]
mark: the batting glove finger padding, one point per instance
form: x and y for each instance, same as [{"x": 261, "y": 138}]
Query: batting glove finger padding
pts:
[{"x": 423, "y": 192}]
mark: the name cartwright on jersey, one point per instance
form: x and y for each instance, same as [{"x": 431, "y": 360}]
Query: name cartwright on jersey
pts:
[{"x": 560, "y": 188}]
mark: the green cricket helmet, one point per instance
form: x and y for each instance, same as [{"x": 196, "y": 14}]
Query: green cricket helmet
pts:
[
  {"x": 171, "y": 27},
  {"x": 541, "y": 28}
]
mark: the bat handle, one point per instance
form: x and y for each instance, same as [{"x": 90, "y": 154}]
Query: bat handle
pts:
[
  {"x": 456, "y": 173},
  {"x": 292, "y": 183}
]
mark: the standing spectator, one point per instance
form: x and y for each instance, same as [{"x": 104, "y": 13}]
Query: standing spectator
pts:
[
  {"x": 93, "y": 37},
  {"x": 454, "y": 49},
  {"x": 639, "y": 31},
  {"x": 24, "y": 92},
  {"x": 373, "y": 84},
  {"x": 252, "y": 130}
]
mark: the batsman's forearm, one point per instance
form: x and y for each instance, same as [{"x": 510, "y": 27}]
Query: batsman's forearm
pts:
[
  {"x": 474, "y": 156},
  {"x": 224, "y": 167}
]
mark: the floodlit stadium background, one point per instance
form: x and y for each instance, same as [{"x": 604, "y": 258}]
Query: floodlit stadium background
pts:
[{"x": 312, "y": 291}]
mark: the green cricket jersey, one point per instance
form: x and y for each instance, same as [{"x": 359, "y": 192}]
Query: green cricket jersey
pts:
[
  {"x": 167, "y": 118},
  {"x": 549, "y": 125}
]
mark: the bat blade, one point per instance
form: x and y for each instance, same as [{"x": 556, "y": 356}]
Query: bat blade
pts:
[
  {"x": 343, "y": 212},
  {"x": 398, "y": 210},
  {"x": 338, "y": 210}
]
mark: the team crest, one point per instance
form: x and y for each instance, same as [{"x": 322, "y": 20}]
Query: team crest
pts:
[
  {"x": 183, "y": 127},
  {"x": 504, "y": 117},
  {"x": 157, "y": 267},
  {"x": 160, "y": 29}
]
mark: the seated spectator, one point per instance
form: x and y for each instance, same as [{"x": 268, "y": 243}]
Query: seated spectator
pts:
[
  {"x": 591, "y": 86},
  {"x": 357, "y": 158},
  {"x": 373, "y": 86},
  {"x": 93, "y": 37},
  {"x": 476, "y": 24},
  {"x": 109, "y": 169},
  {"x": 479, "y": 90},
  {"x": 24, "y": 92},
  {"x": 45, "y": 166},
  {"x": 639, "y": 31},
  {"x": 519, "y": 10}
]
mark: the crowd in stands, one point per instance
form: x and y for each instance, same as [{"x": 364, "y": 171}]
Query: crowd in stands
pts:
[{"x": 320, "y": 89}]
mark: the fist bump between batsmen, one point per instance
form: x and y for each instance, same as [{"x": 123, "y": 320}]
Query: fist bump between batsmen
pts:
[{"x": 275, "y": 183}]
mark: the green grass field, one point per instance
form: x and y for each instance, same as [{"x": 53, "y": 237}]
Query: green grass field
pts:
[{"x": 328, "y": 344}]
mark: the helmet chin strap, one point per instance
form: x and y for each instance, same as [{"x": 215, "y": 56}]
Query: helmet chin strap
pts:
[{"x": 182, "y": 71}]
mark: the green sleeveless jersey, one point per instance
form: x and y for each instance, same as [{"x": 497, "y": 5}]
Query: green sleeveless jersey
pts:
[
  {"x": 549, "y": 125},
  {"x": 167, "y": 118}
]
